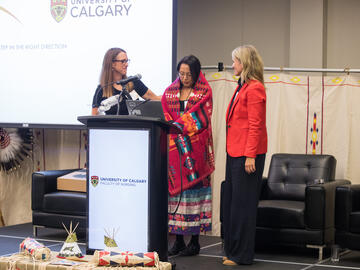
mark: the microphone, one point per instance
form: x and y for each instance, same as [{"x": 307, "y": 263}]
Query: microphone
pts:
[{"x": 129, "y": 79}]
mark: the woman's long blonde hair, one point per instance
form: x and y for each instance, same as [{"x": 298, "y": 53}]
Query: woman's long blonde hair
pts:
[
  {"x": 253, "y": 66},
  {"x": 106, "y": 75}
]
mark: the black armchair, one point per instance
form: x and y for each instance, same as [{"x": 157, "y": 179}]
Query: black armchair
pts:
[
  {"x": 52, "y": 207},
  {"x": 297, "y": 201},
  {"x": 347, "y": 218}
]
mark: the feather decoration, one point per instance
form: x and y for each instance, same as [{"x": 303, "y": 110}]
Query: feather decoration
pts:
[{"x": 15, "y": 146}]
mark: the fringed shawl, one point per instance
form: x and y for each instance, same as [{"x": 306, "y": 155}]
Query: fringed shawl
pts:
[{"x": 195, "y": 144}]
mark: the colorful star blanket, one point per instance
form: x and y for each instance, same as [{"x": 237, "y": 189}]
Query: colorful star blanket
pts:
[
  {"x": 126, "y": 258},
  {"x": 194, "y": 146}
]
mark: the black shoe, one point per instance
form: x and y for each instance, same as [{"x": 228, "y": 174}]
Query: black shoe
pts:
[
  {"x": 177, "y": 247},
  {"x": 190, "y": 250}
]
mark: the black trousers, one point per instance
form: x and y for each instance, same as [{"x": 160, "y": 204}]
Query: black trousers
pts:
[{"x": 240, "y": 201}]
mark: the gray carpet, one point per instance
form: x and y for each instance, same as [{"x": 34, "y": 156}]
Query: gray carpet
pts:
[{"x": 210, "y": 254}]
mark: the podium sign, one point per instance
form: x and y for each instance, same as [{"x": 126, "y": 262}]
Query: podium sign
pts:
[
  {"x": 127, "y": 182},
  {"x": 118, "y": 188}
]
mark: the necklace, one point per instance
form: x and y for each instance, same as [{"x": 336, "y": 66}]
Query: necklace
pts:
[{"x": 187, "y": 97}]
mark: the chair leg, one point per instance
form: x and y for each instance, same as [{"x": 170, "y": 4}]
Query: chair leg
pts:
[
  {"x": 321, "y": 249},
  {"x": 35, "y": 228}
]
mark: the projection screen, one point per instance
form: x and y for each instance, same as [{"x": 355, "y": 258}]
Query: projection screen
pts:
[{"x": 51, "y": 53}]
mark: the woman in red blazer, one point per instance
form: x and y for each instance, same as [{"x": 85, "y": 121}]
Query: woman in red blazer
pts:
[{"x": 246, "y": 145}]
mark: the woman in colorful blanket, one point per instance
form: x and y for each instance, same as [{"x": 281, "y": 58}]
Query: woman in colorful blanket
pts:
[
  {"x": 114, "y": 69},
  {"x": 246, "y": 145},
  {"x": 187, "y": 102}
]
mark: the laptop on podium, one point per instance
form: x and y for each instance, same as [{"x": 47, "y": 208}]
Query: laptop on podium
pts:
[{"x": 147, "y": 108}]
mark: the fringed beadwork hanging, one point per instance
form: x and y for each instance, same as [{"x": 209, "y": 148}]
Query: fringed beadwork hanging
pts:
[{"x": 15, "y": 146}]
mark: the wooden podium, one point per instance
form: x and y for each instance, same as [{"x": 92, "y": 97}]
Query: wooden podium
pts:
[{"x": 127, "y": 186}]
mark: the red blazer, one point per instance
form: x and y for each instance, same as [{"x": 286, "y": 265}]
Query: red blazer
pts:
[{"x": 246, "y": 122}]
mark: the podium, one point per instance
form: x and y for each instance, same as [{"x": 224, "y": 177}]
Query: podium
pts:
[{"x": 127, "y": 186}]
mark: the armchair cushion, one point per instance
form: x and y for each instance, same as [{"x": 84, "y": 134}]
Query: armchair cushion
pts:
[
  {"x": 68, "y": 203},
  {"x": 281, "y": 214}
]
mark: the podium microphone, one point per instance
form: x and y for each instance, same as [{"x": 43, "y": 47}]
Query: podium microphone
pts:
[{"x": 129, "y": 79}]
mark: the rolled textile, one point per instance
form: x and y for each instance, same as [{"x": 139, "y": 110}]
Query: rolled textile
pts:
[
  {"x": 126, "y": 258},
  {"x": 35, "y": 249}
]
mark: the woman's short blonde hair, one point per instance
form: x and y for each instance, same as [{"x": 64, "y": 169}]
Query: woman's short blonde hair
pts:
[{"x": 253, "y": 66}]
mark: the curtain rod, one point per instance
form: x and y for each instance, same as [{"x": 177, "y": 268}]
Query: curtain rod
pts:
[{"x": 221, "y": 67}]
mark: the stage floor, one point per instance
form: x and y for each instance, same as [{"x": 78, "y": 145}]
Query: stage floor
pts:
[{"x": 208, "y": 259}]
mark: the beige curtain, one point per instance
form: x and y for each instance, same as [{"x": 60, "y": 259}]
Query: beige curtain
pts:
[{"x": 305, "y": 114}]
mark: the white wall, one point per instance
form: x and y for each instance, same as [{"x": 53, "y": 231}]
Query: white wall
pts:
[
  {"x": 343, "y": 39},
  {"x": 212, "y": 29},
  {"x": 288, "y": 33}
]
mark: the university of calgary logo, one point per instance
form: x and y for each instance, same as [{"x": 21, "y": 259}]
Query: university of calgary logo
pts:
[
  {"x": 58, "y": 9},
  {"x": 94, "y": 180}
]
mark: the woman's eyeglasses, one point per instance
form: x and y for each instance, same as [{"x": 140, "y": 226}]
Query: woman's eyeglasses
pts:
[
  {"x": 123, "y": 61},
  {"x": 183, "y": 75}
]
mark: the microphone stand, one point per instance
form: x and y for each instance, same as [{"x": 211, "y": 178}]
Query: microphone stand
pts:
[{"x": 121, "y": 97}]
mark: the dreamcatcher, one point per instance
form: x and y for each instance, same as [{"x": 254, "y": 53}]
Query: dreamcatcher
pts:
[{"x": 15, "y": 146}]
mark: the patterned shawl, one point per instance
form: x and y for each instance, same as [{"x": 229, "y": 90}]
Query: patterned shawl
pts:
[{"x": 195, "y": 144}]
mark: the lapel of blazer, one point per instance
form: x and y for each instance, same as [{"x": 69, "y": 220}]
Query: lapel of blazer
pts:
[{"x": 228, "y": 114}]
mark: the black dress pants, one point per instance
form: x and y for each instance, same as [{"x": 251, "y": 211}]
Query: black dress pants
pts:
[{"x": 240, "y": 202}]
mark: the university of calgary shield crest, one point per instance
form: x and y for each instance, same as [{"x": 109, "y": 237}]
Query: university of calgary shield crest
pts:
[
  {"x": 58, "y": 9},
  {"x": 94, "y": 180}
]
